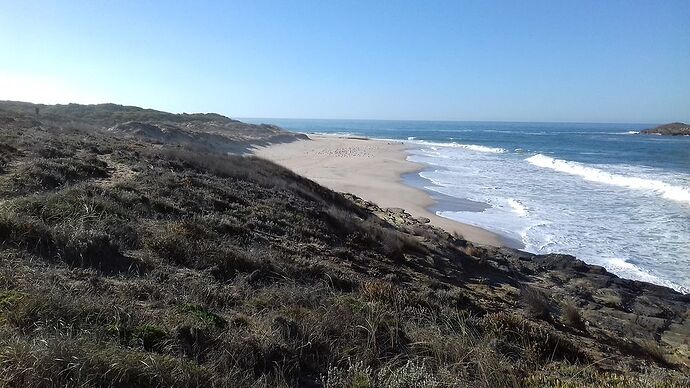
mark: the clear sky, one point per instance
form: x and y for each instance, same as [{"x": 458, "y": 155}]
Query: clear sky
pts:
[{"x": 605, "y": 61}]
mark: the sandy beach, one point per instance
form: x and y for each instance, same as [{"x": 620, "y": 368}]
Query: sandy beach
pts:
[{"x": 370, "y": 169}]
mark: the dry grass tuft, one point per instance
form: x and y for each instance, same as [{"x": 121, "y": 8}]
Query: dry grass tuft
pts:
[
  {"x": 571, "y": 316},
  {"x": 473, "y": 251},
  {"x": 653, "y": 350},
  {"x": 536, "y": 302}
]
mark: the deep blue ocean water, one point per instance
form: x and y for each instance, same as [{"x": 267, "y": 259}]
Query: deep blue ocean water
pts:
[{"x": 601, "y": 192}]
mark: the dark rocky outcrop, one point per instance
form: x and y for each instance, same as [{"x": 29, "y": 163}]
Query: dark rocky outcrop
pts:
[
  {"x": 672, "y": 129},
  {"x": 610, "y": 307}
]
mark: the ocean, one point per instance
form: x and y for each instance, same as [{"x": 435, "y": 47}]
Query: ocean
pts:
[{"x": 600, "y": 192}]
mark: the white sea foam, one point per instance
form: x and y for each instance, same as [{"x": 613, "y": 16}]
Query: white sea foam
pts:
[
  {"x": 471, "y": 147},
  {"x": 632, "y": 271},
  {"x": 411, "y": 138},
  {"x": 668, "y": 191},
  {"x": 517, "y": 207},
  {"x": 620, "y": 265},
  {"x": 561, "y": 215},
  {"x": 480, "y": 148},
  {"x": 333, "y": 134}
]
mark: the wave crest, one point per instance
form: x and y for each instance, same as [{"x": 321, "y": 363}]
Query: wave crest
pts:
[
  {"x": 471, "y": 147},
  {"x": 668, "y": 191},
  {"x": 480, "y": 148}
]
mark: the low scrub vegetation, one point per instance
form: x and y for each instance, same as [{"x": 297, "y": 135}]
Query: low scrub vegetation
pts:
[{"x": 209, "y": 270}]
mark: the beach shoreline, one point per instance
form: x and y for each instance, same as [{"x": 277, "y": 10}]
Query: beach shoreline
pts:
[{"x": 373, "y": 170}]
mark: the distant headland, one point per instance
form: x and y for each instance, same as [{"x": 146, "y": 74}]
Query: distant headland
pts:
[{"x": 672, "y": 129}]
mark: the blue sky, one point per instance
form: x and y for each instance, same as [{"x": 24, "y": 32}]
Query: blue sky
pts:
[{"x": 602, "y": 61}]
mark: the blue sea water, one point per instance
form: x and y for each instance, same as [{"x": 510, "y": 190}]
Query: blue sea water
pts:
[{"x": 600, "y": 192}]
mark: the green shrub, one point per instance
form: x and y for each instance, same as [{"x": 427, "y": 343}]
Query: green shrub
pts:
[
  {"x": 203, "y": 315},
  {"x": 9, "y": 298},
  {"x": 151, "y": 337}
]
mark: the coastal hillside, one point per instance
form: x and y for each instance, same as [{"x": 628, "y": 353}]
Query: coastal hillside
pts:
[
  {"x": 672, "y": 129},
  {"x": 134, "y": 251},
  {"x": 201, "y": 131}
]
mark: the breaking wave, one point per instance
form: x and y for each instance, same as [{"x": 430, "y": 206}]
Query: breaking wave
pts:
[
  {"x": 471, "y": 147},
  {"x": 668, "y": 191}
]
